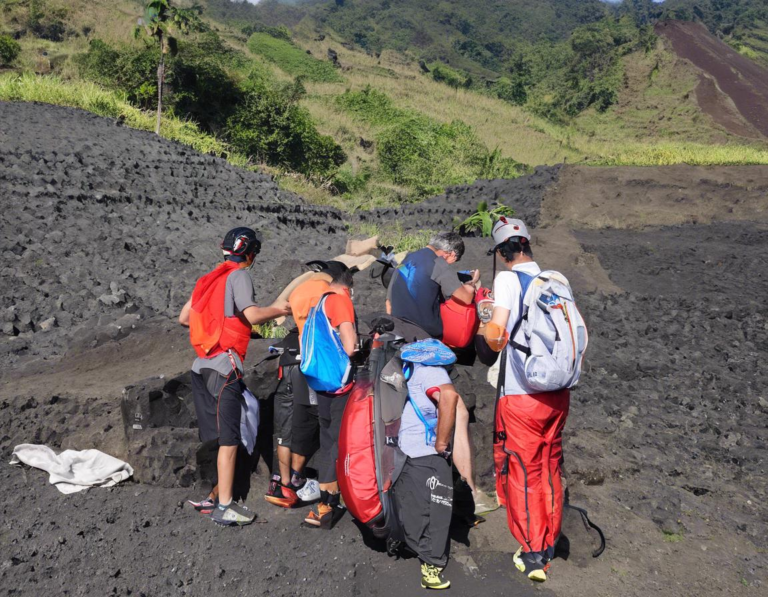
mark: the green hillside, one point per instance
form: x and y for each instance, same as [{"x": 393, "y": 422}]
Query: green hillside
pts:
[{"x": 277, "y": 87}]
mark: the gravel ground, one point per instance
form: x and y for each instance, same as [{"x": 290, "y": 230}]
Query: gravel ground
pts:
[{"x": 104, "y": 230}]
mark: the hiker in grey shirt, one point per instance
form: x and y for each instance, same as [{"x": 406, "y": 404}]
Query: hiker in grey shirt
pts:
[{"x": 423, "y": 490}]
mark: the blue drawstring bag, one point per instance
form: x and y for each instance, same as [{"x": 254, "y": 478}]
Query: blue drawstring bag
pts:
[
  {"x": 323, "y": 360},
  {"x": 430, "y": 352}
]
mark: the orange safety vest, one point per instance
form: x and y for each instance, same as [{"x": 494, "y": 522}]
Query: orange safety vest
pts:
[{"x": 209, "y": 331}]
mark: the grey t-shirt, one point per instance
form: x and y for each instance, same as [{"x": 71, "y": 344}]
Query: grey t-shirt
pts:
[
  {"x": 238, "y": 296},
  {"x": 419, "y": 285},
  {"x": 413, "y": 439}
]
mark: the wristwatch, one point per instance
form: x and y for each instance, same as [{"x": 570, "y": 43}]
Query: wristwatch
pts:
[{"x": 445, "y": 454}]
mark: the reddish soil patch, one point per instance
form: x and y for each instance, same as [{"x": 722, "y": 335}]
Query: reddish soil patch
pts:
[
  {"x": 720, "y": 108},
  {"x": 744, "y": 81}
]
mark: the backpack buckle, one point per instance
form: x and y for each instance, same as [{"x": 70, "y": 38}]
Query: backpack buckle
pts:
[{"x": 499, "y": 437}]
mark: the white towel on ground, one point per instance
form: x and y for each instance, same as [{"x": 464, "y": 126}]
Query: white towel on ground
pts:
[{"x": 73, "y": 470}]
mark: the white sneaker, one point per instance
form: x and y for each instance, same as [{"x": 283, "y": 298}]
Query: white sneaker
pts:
[{"x": 310, "y": 492}]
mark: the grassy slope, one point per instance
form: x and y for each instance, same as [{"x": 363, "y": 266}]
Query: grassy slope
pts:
[
  {"x": 656, "y": 120},
  {"x": 656, "y": 105},
  {"x": 754, "y": 42}
]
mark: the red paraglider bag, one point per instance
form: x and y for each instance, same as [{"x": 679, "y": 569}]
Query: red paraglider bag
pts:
[{"x": 356, "y": 466}]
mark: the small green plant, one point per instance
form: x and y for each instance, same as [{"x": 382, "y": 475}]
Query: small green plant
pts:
[
  {"x": 346, "y": 181},
  {"x": 394, "y": 235},
  {"x": 483, "y": 219},
  {"x": 672, "y": 537},
  {"x": 270, "y": 330},
  {"x": 9, "y": 49}
]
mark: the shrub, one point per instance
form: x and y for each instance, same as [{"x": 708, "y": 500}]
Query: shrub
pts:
[
  {"x": 420, "y": 153},
  {"x": 292, "y": 59},
  {"x": 512, "y": 91},
  {"x": 451, "y": 77},
  {"x": 270, "y": 126},
  {"x": 9, "y": 49},
  {"x": 370, "y": 105},
  {"x": 429, "y": 156},
  {"x": 130, "y": 70},
  {"x": 346, "y": 181}
]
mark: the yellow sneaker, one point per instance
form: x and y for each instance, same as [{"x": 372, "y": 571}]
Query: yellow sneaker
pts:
[
  {"x": 532, "y": 564},
  {"x": 432, "y": 578}
]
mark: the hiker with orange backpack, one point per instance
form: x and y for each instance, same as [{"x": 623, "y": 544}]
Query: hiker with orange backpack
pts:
[
  {"x": 220, "y": 315},
  {"x": 536, "y": 324}
]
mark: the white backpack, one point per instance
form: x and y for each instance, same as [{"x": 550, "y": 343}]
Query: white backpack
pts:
[{"x": 551, "y": 332}]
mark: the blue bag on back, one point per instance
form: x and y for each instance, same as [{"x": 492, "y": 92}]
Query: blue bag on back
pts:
[
  {"x": 323, "y": 360},
  {"x": 430, "y": 352}
]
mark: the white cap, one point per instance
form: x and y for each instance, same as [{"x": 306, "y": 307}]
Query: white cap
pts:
[{"x": 506, "y": 228}]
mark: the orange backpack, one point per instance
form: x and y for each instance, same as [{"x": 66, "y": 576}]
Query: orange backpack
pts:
[{"x": 210, "y": 332}]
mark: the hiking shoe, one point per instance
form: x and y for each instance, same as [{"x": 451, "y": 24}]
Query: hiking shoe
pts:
[
  {"x": 280, "y": 495},
  {"x": 309, "y": 492},
  {"x": 483, "y": 502},
  {"x": 532, "y": 564},
  {"x": 432, "y": 578},
  {"x": 326, "y": 516},
  {"x": 232, "y": 515},
  {"x": 204, "y": 507}
]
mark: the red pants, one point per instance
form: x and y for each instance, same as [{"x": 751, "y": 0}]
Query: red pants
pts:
[{"x": 528, "y": 455}]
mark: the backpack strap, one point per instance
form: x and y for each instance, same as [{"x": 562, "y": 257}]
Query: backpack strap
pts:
[
  {"x": 499, "y": 435},
  {"x": 429, "y": 430},
  {"x": 525, "y": 283}
]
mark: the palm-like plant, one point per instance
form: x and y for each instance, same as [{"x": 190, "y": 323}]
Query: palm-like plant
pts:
[
  {"x": 483, "y": 219},
  {"x": 162, "y": 22}
]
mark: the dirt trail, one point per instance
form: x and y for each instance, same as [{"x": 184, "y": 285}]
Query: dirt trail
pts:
[
  {"x": 636, "y": 197},
  {"x": 744, "y": 81}
]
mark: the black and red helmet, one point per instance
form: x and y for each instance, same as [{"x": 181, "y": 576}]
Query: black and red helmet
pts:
[{"x": 241, "y": 242}]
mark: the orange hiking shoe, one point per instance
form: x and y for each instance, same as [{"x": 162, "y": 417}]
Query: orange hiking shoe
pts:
[
  {"x": 328, "y": 514},
  {"x": 281, "y": 495}
]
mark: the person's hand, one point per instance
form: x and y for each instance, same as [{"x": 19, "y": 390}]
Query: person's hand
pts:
[
  {"x": 475, "y": 277},
  {"x": 283, "y": 305}
]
